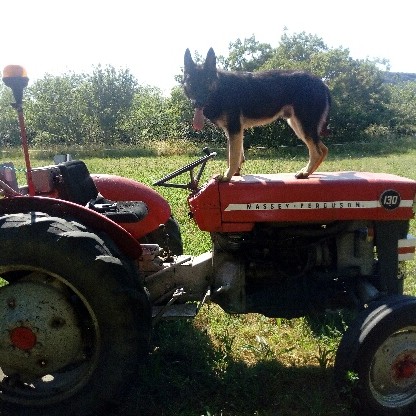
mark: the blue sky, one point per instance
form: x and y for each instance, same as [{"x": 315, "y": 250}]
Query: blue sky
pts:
[{"x": 149, "y": 38}]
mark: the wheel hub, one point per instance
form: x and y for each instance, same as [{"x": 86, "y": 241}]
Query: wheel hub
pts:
[
  {"x": 39, "y": 331},
  {"x": 23, "y": 338},
  {"x": 393, "y": 371},
  {"x": 404, "y": 368}
]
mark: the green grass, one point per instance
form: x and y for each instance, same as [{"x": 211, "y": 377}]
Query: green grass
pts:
[{"x": 247, "y": 365}]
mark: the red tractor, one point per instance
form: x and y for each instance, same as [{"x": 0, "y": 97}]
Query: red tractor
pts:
[{"x": 89, "y": 263}]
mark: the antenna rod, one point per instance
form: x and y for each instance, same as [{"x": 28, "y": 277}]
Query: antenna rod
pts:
[{"x": 15, "y": 77}]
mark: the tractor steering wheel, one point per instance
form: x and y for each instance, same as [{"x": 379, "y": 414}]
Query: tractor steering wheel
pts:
[{"x": 193, "y": 184}]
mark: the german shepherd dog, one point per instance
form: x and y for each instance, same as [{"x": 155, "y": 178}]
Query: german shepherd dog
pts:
[{"x": 235, "y": 101}]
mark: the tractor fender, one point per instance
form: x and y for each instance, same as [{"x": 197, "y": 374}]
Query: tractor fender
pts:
[
  {"x": 127, "y": 244},
  {"x": 118, "y": 188}
]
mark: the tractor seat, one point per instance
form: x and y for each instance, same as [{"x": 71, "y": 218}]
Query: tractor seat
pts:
[{"x": 78, "y": 186}]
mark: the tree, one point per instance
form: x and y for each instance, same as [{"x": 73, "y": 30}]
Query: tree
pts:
[
  {"x": 80, "y": 109},
  {"x": 360, "y": 100},
  {"x": 148, "y": 117},
  {"x": 403, "y": 103},
  {"x": 294, "y": 52},
  {"x": 359, "y": 96},
  {"x": 246, "y": 55},
  {"x": 108, "y": 95},
  {"x": 55, "y": 110},
  {"x": 181, "y": 112},
  {"x": 9, "y": 127}
]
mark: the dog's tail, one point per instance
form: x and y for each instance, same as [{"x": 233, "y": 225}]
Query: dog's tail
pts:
[{"x": 325, "y": 130}]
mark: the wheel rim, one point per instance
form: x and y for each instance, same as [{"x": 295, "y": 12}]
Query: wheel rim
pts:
[
  {"x": 48, "y": 341},
  {"x": 392, "y": 375}
]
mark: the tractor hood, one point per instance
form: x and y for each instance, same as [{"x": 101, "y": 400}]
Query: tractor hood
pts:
[{"x": 237, "y": 205}]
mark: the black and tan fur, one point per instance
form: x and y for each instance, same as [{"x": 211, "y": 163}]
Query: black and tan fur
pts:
[{"x": 235, "y": 101}]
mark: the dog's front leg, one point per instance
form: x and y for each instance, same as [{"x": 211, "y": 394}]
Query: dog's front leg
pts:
[
  {"x": 242, "y": 160},
  {"x": 235, "y": 155}
]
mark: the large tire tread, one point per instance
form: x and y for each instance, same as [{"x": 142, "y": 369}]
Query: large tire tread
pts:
[{"x": 92, "y": 266}]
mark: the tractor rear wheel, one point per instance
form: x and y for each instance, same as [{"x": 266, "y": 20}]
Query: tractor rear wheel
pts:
[
  {"x": 375, "y": 366},
  {"x": 75, "y": 321}
]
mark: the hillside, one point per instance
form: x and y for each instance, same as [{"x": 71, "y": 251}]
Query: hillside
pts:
[{"x": 396, "y": 77}]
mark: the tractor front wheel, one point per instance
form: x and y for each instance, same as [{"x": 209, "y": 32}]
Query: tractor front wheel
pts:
[
  {"x": 375, "y": 366},
  {"x": 74, "y": 320}
]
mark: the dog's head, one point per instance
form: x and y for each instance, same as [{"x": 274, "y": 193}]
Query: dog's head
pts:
[{"x": 199, "y": 81}]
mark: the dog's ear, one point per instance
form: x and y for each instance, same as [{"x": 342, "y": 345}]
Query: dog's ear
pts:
[
  {"x": 211, "y": 61},
  {"x": 188, "y": 61}
]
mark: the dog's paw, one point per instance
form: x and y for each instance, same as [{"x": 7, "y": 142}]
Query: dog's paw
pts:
[
  {"x": 238, "y": 172},
  {"x": 302, "y": 174},
  {"x": 227, "y": 176},
  {"x": 221, "y": 178}
]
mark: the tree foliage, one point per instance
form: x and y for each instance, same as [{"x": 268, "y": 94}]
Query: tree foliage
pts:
[
  {"x": 294, "y": 52},
  {"x": 109, "y": 96},
  {"x": 359, "y": 95},
  {"x": 9, "y": 131},
  {"x": 403, "y": 106},
  {"x": 108, "y": 107},
  {"x": 56, "y": 111},
  {"x": 147, "y": 117},
  {"x": 248, "y": 55}
]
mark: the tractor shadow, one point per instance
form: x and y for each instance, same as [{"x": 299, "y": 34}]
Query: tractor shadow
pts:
[{"x": 187, "y": 375}]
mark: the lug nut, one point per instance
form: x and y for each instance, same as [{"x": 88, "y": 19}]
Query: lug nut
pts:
[{"x": 42, "y": 362}]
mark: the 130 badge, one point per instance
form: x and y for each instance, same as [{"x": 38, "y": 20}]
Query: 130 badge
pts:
[{"x": 390, "y": 199}]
